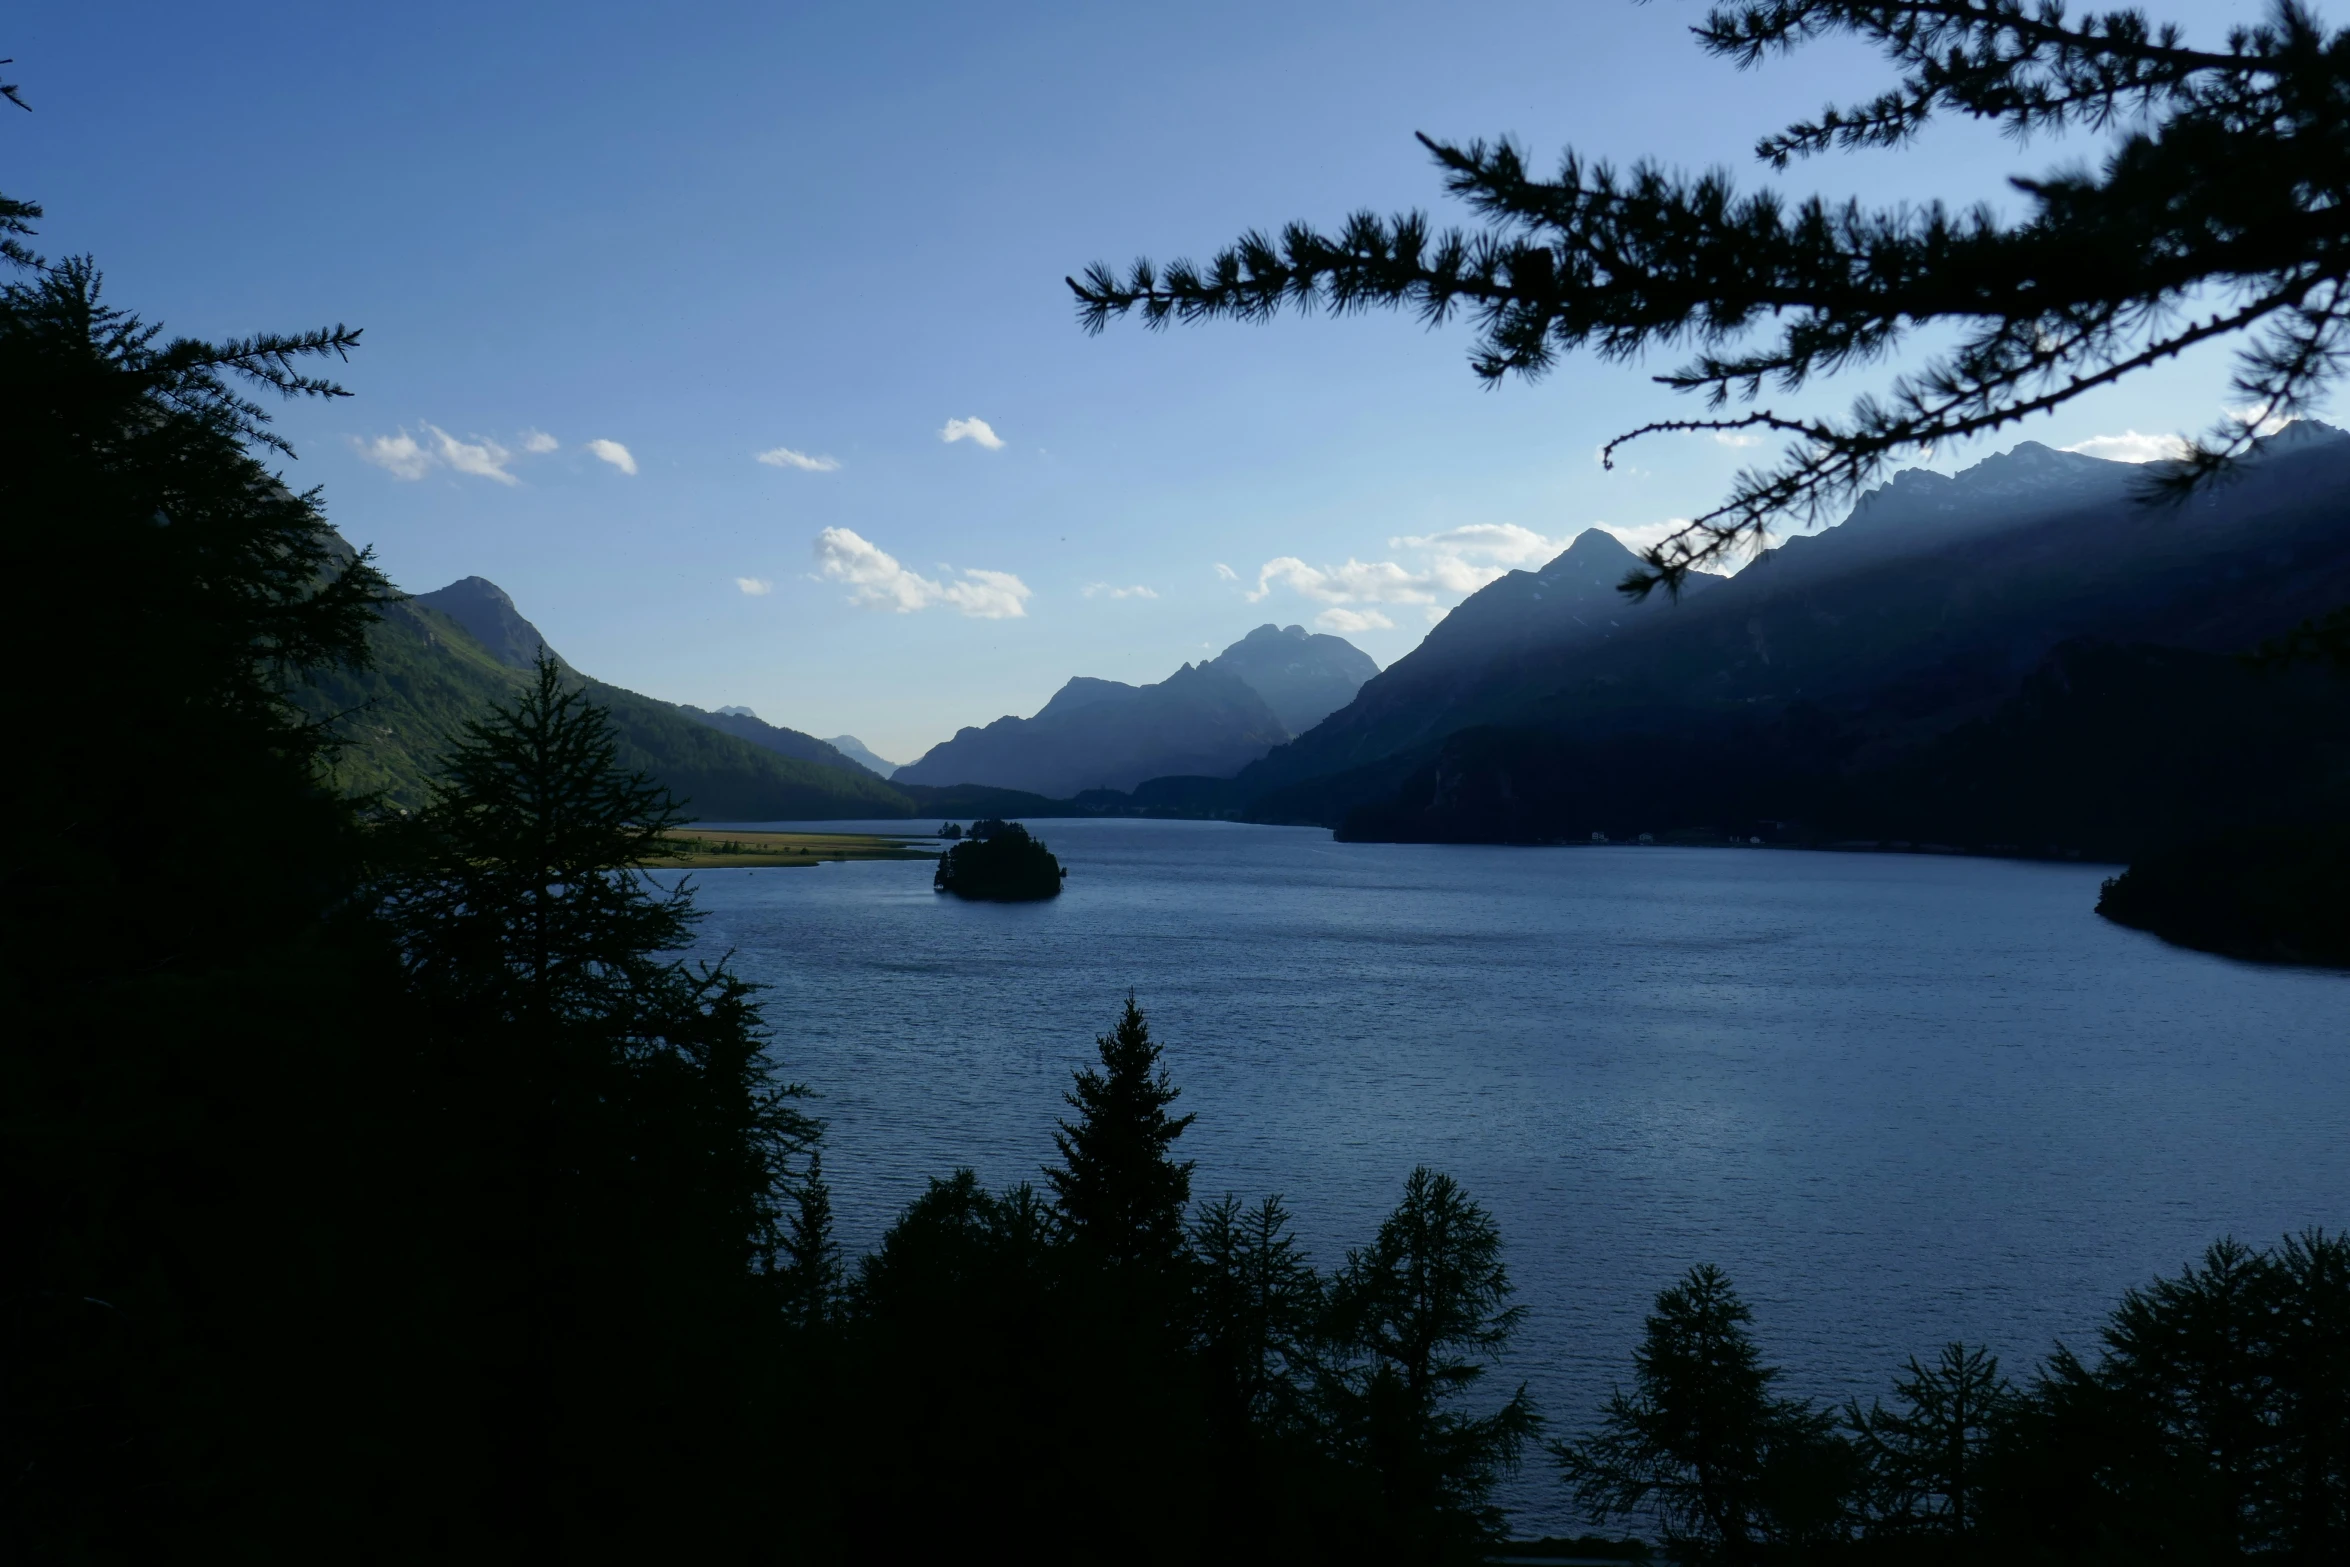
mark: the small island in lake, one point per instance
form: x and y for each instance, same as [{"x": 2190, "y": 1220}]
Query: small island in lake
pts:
[{"x": 999, "y": 862}]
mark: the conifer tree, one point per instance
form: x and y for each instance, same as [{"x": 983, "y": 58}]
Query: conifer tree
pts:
[
  {"x": 200, "y": 1087},
  {"x": 1416, "y": 1317},
  {"x": 1727, "y": 1468},
  {"x": 1120, "y": 1190},
  {"x": 1925, "y": 1457},
  {"x": 628, "y": 1144},
  {"x": 810, "y": 1262},
  {"x": 2216, "y": 215},
  {"x": 2213, "y": 1424},
  {"x": 1258, "y": 1314}
]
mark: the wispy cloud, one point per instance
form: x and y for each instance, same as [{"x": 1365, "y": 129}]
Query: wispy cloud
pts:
[
  {"x": 1736, "y": 438},
  {"x": 877, "y": 580},
  {"x": 1451, "y": 565},
  {"x": 1502, "y": 544},
  {"x": 785, "y": 457},
  {"x": 978, "y": 430},
  {"x": 2130, "y": 446},
  {"x": 405, "y": 456},
  {"x": 399, "y": 455},
  {"x": 1095, "y": 590},
  {"x": 755, "y": 587},
  {"x": 614, "y": 453},
  {"x": 1348, "y": 621},
  {"x": 481, "y": 456},
  {"x": 1225, "y": 573}
]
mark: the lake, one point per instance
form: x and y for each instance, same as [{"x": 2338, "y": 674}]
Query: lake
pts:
[{"x": 1901, "y": 1099}]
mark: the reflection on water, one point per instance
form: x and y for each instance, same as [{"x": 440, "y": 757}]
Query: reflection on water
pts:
[{"x": 1901, "y": 1099}]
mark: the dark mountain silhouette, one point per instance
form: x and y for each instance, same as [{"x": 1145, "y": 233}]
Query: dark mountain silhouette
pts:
[
  {"x": 1441, "y": 685},
  {"x": 1847, "y": 678},
  {"x": 1103, "y": 734},
  {"x": 1303, "y": 677},
  {"x": 1206, "y": 720}
]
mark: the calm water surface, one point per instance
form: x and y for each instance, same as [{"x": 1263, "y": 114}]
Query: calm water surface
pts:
[{"x": 1901, "y": 1099}]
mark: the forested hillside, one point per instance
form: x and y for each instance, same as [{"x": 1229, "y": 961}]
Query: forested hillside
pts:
[{"x": 428, "y": 676}]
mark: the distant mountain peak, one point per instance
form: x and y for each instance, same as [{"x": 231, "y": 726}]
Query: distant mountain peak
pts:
[
  {"x": 1083, "y": 691},
  {"x": 1593, "y": 549},
  {"x": 490, "y": 618},
  {"x": 734, "y": 712},
  {"x": 2301, "y": 433},
  {"x": 1303, "y": 676},
  {"x": 863, "y": 755}
]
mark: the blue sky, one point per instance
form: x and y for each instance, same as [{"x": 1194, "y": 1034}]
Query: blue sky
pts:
[{"x": 702, "y": 233}]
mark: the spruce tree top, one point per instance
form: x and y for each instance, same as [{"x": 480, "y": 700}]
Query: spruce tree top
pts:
[{"x": 1121, "y": 1192}]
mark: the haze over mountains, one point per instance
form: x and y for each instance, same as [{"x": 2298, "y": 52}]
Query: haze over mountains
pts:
[{"x": 1205, "y": 720}]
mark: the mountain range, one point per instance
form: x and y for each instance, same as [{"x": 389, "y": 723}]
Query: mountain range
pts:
[
  {"x": 1206, "y": 720},
  {"x": 442, "y": 659},
  {"x": 1929, "y": 670},
  {"x": 2019, "y": 657}
]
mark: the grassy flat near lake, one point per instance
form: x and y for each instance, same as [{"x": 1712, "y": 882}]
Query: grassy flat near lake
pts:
[{"x": 713, "y": 849}]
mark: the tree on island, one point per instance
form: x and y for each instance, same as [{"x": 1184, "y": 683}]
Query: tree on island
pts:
[
  {"x": 2221, "y": 212},
  {"x": 998, "y": 861}
]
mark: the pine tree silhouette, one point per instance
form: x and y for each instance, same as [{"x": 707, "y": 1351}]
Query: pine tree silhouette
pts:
[{"x": 1120, "y": 1191}]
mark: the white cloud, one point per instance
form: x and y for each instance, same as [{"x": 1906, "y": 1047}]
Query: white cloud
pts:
[
  {"x": 397, "y": 454},
  {"x": 1449, "y": 567},
  {"x": 2261, "y": 416},
  {"x": 2130, "y": 446},
  {"x": 1348, "y": 621},
  {"x": 785, "y": 457},
  {"x": 1095, "y": 590},
  {"x": 1503, "y": 543},
  {"x": 879, "y": 581},
  {"x": 971, "y": 430},
  {"x": 614, "y": 453},
  {"x": 481, "y": 456},
  {"x": 409, "y": 456},
  {"x": 1737, "y": 438},
  {"x": 755, "y": 587},
  {"x": 989, "y": 595},
  {"x": 1225, "y": 573}
]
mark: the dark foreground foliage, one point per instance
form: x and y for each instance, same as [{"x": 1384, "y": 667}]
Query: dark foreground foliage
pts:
[{"x": 385, "y": 1190}]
